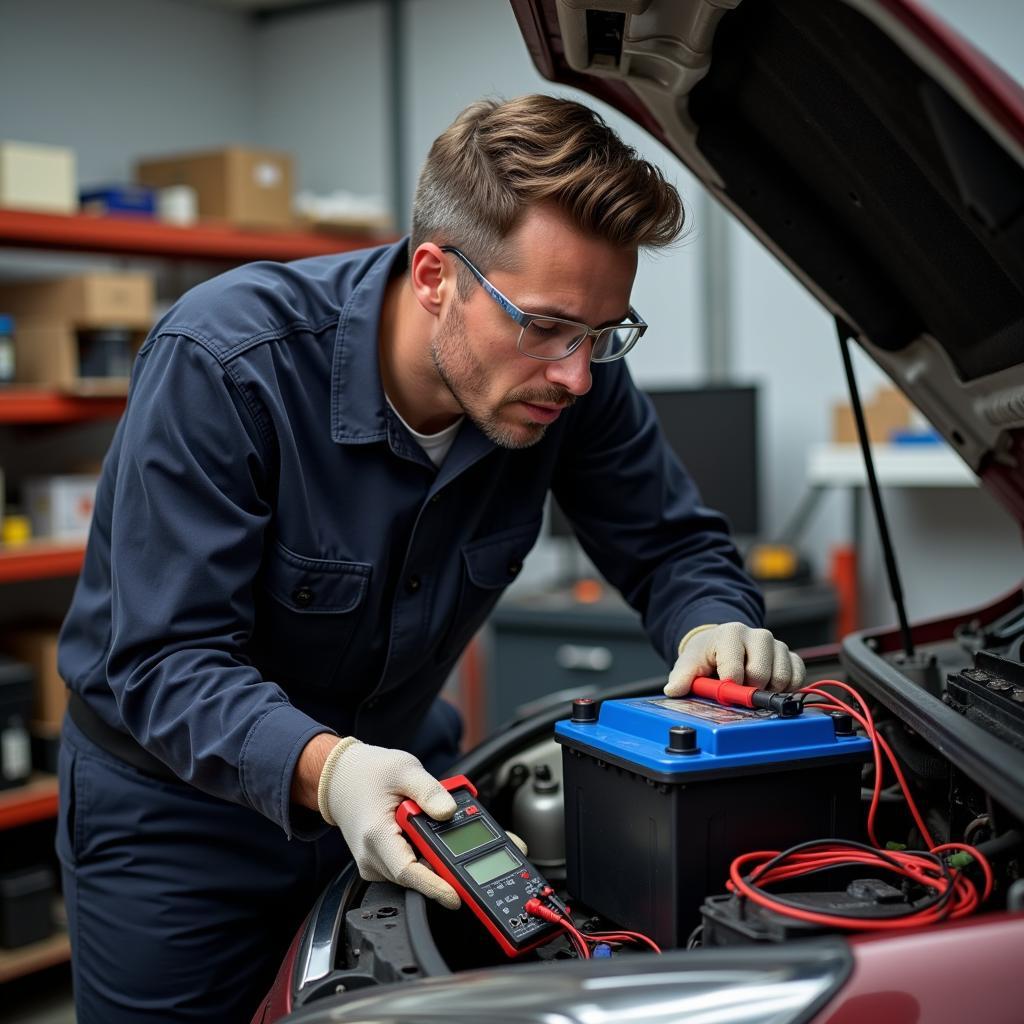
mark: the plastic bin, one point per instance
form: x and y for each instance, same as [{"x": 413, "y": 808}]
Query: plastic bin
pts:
[
  {"x": 15, "y": 708},
  {"x": 26, "y": 907}
]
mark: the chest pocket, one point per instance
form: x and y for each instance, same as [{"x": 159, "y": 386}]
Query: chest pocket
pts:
[
  {"x": 311, "y": 609},
  {"x": 489, "y": 565}
]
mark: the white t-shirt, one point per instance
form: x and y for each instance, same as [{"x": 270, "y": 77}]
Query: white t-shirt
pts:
[{"x": 435, "y": 445}]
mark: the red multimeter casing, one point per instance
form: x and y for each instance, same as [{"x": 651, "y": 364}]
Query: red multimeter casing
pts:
[{"x": 472, "y": 853}]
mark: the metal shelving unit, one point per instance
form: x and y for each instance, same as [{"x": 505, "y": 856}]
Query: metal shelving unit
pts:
[{"x": 33, "y": 406}]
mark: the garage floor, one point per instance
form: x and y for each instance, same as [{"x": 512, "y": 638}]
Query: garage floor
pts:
[{"x": 43, "y": 998}]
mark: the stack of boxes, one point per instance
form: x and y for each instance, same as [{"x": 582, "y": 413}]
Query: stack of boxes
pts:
[
  {"x": 237, "y": 185},
  {"x": 79, "y": 334}
]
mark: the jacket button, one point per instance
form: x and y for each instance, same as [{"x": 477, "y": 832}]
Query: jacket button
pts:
[
  {"x": 514, "y": 568},
  {"x": 412, "y": 584},
  {"x": 433, "y": 500},
  {"x": 302, "y": 596},
  {"x": 371, "y": 704}
]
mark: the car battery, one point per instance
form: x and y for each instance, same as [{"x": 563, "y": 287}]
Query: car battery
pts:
[{"x": 662, "y": 794}]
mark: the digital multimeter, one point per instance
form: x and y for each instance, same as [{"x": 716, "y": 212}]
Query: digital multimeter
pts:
[{"x": 473, "y": 854}]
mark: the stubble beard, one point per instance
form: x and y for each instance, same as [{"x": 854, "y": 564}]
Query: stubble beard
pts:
[{"x": 466, "y": 378}]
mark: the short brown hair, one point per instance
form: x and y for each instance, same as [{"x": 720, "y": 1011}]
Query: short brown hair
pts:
[{"x": 499, "y": 158}]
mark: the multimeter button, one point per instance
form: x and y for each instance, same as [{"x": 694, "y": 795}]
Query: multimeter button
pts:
[
  {"x": 472, "y": 809},
  {"x": 524, "y": 874}
]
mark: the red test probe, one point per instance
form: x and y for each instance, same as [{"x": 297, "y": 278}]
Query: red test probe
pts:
[{"x": 725, "y": 691}]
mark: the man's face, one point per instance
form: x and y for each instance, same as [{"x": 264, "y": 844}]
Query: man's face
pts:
[{"x": 511, "y": 397}]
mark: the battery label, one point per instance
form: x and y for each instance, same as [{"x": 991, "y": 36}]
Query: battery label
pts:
[{"x": 709, "y": 712}]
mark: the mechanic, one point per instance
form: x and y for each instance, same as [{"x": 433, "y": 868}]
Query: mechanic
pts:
[{"x": 326, "y": 474}]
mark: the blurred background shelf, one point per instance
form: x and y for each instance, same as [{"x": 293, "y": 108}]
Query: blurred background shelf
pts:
[
  {"x": 896, "y": 465},
  {"x": 14, "y": 963}
]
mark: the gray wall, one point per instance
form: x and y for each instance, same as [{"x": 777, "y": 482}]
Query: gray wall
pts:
[
  {"x": 117, "y": 79},
  {"x": 322, "y": 92}
]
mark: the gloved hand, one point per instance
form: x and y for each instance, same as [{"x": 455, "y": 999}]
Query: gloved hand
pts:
[
  {"x": 361, "y": 788},
  {"x": 737, "y": 652}
]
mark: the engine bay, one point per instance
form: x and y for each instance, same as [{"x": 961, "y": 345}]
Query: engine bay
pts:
[{"x": 627, "y": 850}]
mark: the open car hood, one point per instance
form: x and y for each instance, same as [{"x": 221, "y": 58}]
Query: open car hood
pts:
[{"x": 870, "y": 148}]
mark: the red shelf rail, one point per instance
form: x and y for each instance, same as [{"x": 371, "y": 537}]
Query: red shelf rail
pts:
[
  {"x": 40, "y": 560},
  {"x": 39, "y": 405},
  {"x": 141, "y": 237},
  {"x": 35, "y": 801}
]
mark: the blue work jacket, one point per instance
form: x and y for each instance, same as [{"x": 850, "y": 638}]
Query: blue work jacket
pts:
[{"x": 272, "y": 553}]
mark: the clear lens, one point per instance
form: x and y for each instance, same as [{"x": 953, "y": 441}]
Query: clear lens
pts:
[
  {"x": 555, "y": 339},
  {"x": 550, "y": 339},
  {"x": 614, "y": 343}
]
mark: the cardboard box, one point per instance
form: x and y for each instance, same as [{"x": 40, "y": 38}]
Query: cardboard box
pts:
[
  {"x": 37, "y": 646},
  {"x": 245, "y": 187},
  {"x": 49, "y": 315},
  {"x": 49, "y": 354},
  {"x": 99, "y": 299},
  {"x": 887, "y": 412},
  {"x": 34, "y": 177},
  {"x": 60, "y": 507}
]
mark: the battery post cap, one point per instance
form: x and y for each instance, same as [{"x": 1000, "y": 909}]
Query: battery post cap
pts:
[
  {"x": 584, "y": 711},
  {"x": 842, "y": 723},
  {"x": 682, "y": 740}
]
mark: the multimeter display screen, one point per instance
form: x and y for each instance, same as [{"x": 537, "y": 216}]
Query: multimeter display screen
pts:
[
  {"x": 490, "y": 865},
  {"x": 466, "y": 837}
]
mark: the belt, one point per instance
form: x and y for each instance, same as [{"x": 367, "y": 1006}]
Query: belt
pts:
[{"x": 115, "y": 742}]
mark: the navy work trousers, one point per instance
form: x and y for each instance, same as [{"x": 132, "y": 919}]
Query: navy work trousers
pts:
[{"x": 180, "y": 906}]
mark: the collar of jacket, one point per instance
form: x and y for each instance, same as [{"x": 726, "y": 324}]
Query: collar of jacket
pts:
[
  {"x": 359, "y": 410},
  {"x": 358, "y": 406}
]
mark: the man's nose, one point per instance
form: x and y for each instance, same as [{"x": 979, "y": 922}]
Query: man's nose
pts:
[{"x": 572, "y": 372}]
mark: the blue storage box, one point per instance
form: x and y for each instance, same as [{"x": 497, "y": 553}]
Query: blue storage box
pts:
[{"x": 134, "y": 199}]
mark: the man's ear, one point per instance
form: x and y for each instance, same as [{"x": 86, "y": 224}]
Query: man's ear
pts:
[{"x": 430, "y": 277}]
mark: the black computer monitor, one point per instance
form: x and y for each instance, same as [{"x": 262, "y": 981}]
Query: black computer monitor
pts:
[{"x": 714, "y": 431}]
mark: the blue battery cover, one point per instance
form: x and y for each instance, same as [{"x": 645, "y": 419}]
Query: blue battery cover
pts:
[{"x": 635, "y": 732}]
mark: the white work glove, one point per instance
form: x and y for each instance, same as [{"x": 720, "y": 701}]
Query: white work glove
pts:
[
  {"x": 737, "y": 652},
  {"x": 361, "y": 788}
]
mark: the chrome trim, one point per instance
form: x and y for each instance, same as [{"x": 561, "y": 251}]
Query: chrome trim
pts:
[{"x": 319, "y": 944}]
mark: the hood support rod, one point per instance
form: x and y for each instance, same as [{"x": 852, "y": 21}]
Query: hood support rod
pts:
[{"x": 845, "y": 332}]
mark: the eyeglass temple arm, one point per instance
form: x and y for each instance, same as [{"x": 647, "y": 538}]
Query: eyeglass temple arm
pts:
[{"x": 506, "y": 304}]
